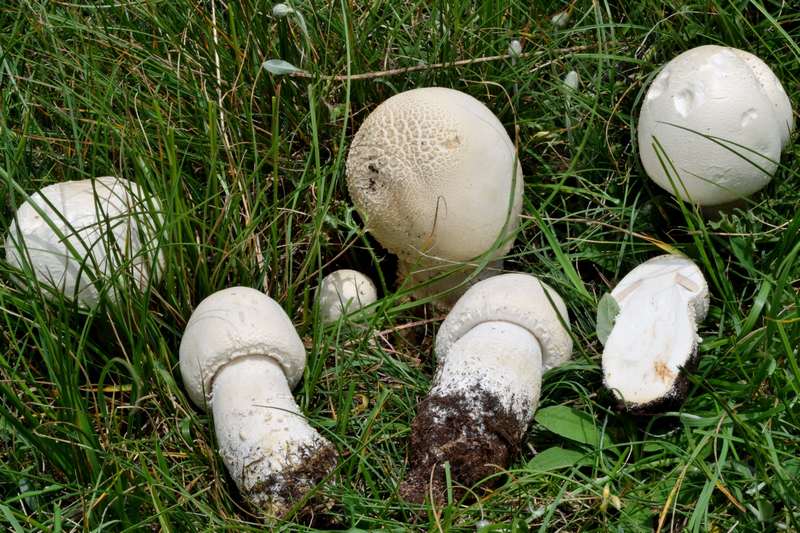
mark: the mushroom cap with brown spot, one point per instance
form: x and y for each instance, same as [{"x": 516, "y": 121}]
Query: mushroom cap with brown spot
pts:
[
  {"x": 232, "y": 323},
  {"x": 434, "y": 172},
  {"x": 520, "y": 299}
]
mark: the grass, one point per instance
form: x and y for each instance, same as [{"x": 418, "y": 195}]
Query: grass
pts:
[{"x": 96, "y": 431}]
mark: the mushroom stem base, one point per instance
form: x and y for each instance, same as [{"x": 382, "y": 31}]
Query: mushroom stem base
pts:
[
  {"x": 273, "y": 455},
  {"x": 475, "y": 443},
  {"x": 483, "y": 396}
]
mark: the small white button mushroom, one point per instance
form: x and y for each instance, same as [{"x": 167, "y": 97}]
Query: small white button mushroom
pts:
[
  {"x": 654, "y": 340},
  {"x": 78, "y": 236},
  {"x": 241, "y": 356},
  {"x": 492, "y": 350},
  {"x": 344, "y": 291},
  {"x": 436, "y": 177},
  {"x": 725, "y": 93}
]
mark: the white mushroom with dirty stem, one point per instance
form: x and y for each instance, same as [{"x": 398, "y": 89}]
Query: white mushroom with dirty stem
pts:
[
  {"x": 438, "y": 182},
  {"x": 343, "y": 292},
  {"x": 721, "y": 118},
  {"x": 82, "y": 237},
  {"x": 492, "y": 349},
  {"x": 654, "y": 340},
  {"x": 240, "y": 356}
]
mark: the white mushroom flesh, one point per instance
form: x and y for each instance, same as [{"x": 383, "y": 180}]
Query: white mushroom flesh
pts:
[
  {"x": 78, "y": 236},
  {"x": 721, "y": 92},
  {"x": 655, "y": 333}
]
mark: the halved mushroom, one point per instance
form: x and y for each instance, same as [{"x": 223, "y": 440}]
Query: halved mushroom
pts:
[{"x": 654, "y": 340}]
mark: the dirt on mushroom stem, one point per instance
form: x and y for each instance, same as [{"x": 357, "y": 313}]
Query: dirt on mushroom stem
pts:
[
  {"x": 472, "y": 432},
  {"x": 312, "y": 464}
]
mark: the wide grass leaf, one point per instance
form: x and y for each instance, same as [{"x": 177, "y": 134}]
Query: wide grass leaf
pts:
[
  {"x": 556, "y": 458},
  {"x": 571, "y": 424}
]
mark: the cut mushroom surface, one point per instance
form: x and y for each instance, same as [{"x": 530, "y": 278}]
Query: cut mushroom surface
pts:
[{"x": 654, "y": 338}]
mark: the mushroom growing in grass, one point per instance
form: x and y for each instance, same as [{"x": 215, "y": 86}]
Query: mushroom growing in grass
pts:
[
  {"x": 344, "y": 291},
  {"x": 713, "y": 125},
  {"x": 437, "y": 179},
  {"x": 653, "y": 341},
  {"x": 78, "y": 236},
  {"x": 240, "y": 357},
  {"x": 492, "y": 349}
]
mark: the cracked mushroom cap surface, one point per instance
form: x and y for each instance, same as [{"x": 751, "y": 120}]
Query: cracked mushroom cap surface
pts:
[
  {"x": 516, "y": 298},
  {"x": 233, "y": 323},
  {"x": 722, "y": 92},
  {"x": 75, "y": 232},
  {"x": 434, "y": 172}
]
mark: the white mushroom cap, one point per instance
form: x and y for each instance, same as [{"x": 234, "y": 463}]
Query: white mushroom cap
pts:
[
  {"x": 108, "y": 223},
  {"x": 233, "y": 323},
  {"x": 725, "y": 93},
  {"x": 344, "y": 291},
  {"x": 516, "y": 298},
  {"x": 433, "y": 171}
]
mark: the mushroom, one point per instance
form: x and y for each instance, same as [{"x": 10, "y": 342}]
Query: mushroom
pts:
[
  {"x": 492, "y": 349},
  {"x": 240, "y": 356},
  {"x": 344, "y": 291},
  {"x": 77, "y": 236},
  {"x": 653, "y": 341},
  {"x": 437, "y": 179},
  {"x": 728, "y": 95}
]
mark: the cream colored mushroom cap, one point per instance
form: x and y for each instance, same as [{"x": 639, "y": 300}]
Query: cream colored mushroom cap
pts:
[
  {"x": 344, "y": 291},
  {"x": 520, "y": 299},
  {"x": 109, "y": 222},
  {"x": 433, "y": 171},
  {"x": 721, "y": 92},
  {"x": 232, "y": 323}
]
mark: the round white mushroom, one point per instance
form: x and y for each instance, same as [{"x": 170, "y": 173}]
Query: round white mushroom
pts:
[
  {"x": 79, "y": 237},
  {"x": 654, "y": 338},
  {"x": 436, "y": 177},
  {"x": 241, "y": 356},
  {"x": 725, "y": 93},
  {"x": 492, "y": 349},
  {"x": 344, "y": 291}
]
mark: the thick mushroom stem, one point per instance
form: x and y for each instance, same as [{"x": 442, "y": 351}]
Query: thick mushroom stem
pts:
[
  {"x": 272, "y": 453},
  {"x": 482, "y": 400}
]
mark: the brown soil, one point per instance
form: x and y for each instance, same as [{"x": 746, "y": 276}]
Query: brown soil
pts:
[
  {"x": 278, "y": 494},
  {"x": 476, "y": 442}
]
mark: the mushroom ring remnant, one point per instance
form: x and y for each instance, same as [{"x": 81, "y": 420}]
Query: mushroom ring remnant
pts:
[
  {"x": 721, "y": 118},
  {"x": 492, "y": 350},
  {"x": 241, "y": 356},
  {"x": 654, "y": 338},
  {"x": 437, "y": 179},
  {"x": 77, "y": 236}
]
